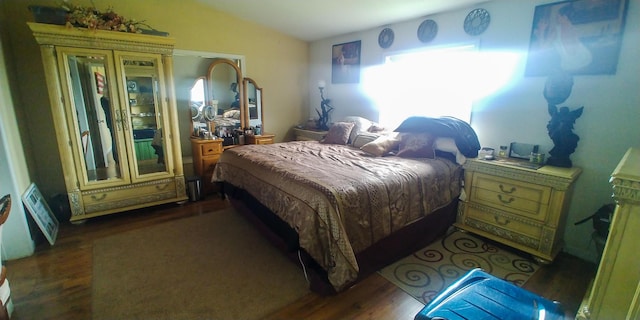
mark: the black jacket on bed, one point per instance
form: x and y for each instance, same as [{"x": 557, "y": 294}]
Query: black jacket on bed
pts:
[{"x": 464, "y": 136}]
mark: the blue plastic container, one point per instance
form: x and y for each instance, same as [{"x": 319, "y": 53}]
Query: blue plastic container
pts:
[{"x": 479, "y": 295}]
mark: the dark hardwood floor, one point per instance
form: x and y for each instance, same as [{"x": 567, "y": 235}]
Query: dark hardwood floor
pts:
[{"x": 55, "y": 283}]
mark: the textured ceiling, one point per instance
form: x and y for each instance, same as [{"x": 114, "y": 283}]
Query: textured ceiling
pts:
[{"x": 312, "y": 20}]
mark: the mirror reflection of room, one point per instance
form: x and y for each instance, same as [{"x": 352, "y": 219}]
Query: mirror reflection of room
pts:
[
  {"x": 142, "y": 94},
  {"x": 94, "y": 115}
]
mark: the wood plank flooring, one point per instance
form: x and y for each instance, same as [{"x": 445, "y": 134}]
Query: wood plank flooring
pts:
[{"x": 55, "y": 283}]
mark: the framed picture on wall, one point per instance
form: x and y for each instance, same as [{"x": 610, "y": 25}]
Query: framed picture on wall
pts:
[
  {"x": 345, "y": 62},
  {"x": 578, "y": 37}
]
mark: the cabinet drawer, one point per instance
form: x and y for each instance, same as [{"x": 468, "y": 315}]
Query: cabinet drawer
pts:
[
  {"x": 264, "y": 141},
  {"x": 529, "y": 200},
  {"x": 505, "y": 221},
  {"x": 105, "y": 199},
  {"x": 208, "y": 149}
]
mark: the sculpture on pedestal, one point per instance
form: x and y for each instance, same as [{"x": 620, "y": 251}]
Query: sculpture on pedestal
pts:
[
  {"x": 560, "y": 128},
  {"x": 325, "y": 109}
]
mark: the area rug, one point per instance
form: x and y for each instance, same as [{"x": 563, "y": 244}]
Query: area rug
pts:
[
  {"x": 212, "y": 266},
  {"x": 430, "y": 270}
]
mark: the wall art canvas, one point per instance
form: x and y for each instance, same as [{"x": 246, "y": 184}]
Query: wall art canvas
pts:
[
  {"x": 345, "y": 63},
  {"x": 581, "y": 37}
]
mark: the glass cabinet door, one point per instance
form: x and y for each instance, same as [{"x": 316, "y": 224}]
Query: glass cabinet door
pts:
[
  {"x": 144, "y": 101},
  {"x": 86, "y": 79}
]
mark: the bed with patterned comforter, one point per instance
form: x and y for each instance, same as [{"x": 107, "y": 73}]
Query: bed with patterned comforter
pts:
[{"x": 339, "y": 199}]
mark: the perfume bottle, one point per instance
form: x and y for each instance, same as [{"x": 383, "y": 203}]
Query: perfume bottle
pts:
[{"x": 503, "y": 152}]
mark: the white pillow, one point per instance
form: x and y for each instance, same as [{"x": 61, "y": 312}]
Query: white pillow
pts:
[
  {"x": 449, "y": 145},
  {"x": 361, "y": 125}
]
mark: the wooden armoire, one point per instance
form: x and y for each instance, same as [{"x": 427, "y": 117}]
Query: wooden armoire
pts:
[{"x": 114, "y": 111}]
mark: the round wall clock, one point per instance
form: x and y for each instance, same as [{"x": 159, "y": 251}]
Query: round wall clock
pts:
[
  {"x": 477, "y": 21},
  {"x": 385, "y": 39},
  {"x": 427, "y": 30}
]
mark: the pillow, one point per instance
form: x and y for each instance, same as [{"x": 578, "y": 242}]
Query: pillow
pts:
[
  {"x": 375, "y": 127},
  {"x": 232, "y": 113},
  {"x": 381, "y": 146},
  {"x": 363, "y": 138},
  {"x": 449, "y": 145},
  {"x": 339, "y": 133},
  {"x": 416, "y": 145},
  {"x": 360, "y": 125}
]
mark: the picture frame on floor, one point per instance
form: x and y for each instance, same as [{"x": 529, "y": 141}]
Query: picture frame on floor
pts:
[{"x": 41, "y": 213}]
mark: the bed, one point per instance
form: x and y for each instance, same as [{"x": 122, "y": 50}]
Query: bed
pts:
[{"x": 341, "y": 211}]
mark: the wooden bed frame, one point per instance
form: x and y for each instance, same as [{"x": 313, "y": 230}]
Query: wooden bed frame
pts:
[{"x": 410, "y": 239}]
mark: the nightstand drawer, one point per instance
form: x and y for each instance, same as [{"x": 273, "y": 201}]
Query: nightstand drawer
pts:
[
  {"x": 525, "y": 199},
  {"x": 506, "y": 221},
  {"x": 211, "y": 148},
  {"x": 524, "y": 190}
]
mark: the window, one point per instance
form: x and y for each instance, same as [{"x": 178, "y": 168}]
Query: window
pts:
[{"x": 432, "y": 82}]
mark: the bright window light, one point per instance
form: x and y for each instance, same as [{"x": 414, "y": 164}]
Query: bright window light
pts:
[{"x": 435, "y": 82}]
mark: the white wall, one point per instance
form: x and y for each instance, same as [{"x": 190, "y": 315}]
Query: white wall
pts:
[
  {"x": 16, "y": 238},
  {"x": 518, "y": 110}
]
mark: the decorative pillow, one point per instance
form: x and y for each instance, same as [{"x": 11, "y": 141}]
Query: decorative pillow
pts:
[
  {"x": 381, "y": 146},
  {"x": 363, "y": 138},
  {"x": 360, "y": 125},
  {"x": 416, "y": 145},
  {"x": 232, "y": 113},
  {"x": 339, "y": 133}
]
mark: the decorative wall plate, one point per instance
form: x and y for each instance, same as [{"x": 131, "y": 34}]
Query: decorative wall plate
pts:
[
  {"x": 132, "y": 86},
  {"x": 477, "y": 21},
  {"x": 385, "y": 39},
  {"x": 427, "y": 30},
  {"x": 209, "y": 113}
]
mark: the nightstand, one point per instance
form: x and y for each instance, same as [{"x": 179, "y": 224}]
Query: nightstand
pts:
[
  {"x": 304, "y": 134},
  {"x": 521, "y": 207},
  {"x": 206, "y": 153},
  {"x": 265, "y": 138}
]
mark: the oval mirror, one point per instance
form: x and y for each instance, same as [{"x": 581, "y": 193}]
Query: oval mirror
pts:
[
  {"x": 225, "y": 93},
  {"x": 253, "y": 95}
]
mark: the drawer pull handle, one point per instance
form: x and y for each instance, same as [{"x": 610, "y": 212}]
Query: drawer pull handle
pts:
[
  {"x": 159, "y": 187},
  {"x": 93, "y": 196},
  {"x": 512, "y": 190},
  {"x": 502, "y": 222},
  {"x": 505, "y": 201}
]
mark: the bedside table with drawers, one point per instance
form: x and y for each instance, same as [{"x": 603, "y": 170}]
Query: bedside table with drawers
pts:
[
  {"x": 264, "y": 138},
  {"x": 520, "y": 207},
  {"x": 305, "y": 135},
  {"x": 206, "y": 153}
]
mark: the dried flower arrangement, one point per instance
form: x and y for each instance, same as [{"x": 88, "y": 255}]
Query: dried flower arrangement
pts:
[{"x": 92, "y": 18}]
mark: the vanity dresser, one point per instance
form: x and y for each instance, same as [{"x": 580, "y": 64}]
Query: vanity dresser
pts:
[
  {"x": 525, "y": 208},
  {"x": 615, "y": 291},
  {"x": 225, "y": 116},
  {"x": 113, "y": 105}
]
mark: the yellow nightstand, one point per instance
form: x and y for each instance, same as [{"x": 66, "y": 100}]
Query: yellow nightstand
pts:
[
  {"x": 265, "y": 138},
  {"x": 304, "y": 135},
  {"x": 517, "y": 206},
  {"x": 205, "y": 157}
]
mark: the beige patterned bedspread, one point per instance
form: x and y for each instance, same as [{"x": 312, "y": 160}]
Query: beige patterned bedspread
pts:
[{"x": 339, "y": 199}]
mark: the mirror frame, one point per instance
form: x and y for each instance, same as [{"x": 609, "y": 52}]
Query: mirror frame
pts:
[
  {"x": 240, "y": 88},
  {"x": 259, "y": 102},
  {"x": 205, "y": 55}
]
